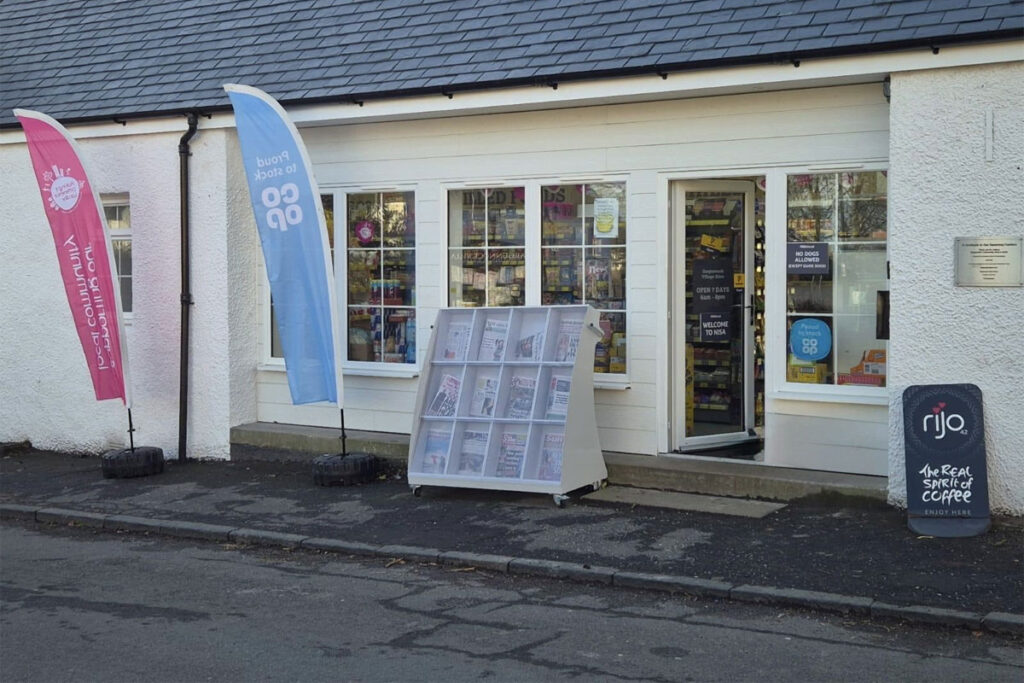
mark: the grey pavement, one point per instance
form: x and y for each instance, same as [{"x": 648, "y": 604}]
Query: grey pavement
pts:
[{"x": 845, "y": 556}]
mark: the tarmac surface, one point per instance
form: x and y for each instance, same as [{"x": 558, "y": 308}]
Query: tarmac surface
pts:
[{"x": 850, "y": 555}]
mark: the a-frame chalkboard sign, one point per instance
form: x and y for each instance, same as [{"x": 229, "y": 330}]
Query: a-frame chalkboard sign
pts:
[{"x": 947, "y": 480}]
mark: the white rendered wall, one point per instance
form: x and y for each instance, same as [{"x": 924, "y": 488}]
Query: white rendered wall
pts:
[
  {"x": 950, "y": 178},
  {"x": 45, "y": 391}
]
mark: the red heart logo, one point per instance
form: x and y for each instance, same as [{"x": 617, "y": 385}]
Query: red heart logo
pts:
[
  {"x": 936, "y": 409},
  {"x": 942, "y": 405}
]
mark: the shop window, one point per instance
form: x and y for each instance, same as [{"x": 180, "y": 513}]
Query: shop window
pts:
[
  {"x": 583, "y": 259},
  {"x": 119, "y": 221},
  {"x": 381, "y": 257},
  {"x": 836, "y": 269},
  {"x": 582, "y": 254},
  {"x": 486, "y": 247},
  {"x": 327, "y": 201}
]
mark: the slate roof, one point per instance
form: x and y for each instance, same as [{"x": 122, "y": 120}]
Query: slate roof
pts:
[{"x": 81, "y": 60}]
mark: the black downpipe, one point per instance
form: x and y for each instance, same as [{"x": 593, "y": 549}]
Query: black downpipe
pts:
[{"x": 186, "y": 283}]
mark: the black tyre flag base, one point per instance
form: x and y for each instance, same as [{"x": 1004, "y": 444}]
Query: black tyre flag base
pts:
[
  {"x": 341, "y": 469},
  {"x": 133, "y": 462}
]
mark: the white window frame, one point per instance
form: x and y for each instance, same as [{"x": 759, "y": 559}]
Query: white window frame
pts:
[
  {"x": 122, "y": 199},
  {"x": 777, "y": 386},
  {"x": 532, "y": 188},
  {"x": 372, "y": 368},
  {"x": 352, "y": 368}
]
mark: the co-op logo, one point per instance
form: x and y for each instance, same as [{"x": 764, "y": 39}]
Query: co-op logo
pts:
[
  {"x": 282, "y": 205},
  {"x": 938, "y": 423}
]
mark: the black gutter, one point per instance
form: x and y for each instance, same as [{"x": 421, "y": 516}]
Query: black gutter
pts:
[
  {"x": 935, "y": 44},
  {"x": 186, "y": 282}
]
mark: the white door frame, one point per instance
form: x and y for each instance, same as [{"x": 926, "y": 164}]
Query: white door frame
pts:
[{"x": 678, "y": 439}]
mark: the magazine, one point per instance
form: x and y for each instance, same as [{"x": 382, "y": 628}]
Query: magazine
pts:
[
  {"x": 568, "y": 339},
  {"x": 551, "y": 457},
  {"x": 520, "y": 397},
  {"x": 446, "y": 399},
  {"x": 483, "y": 397},
  {"x": 435, "y": 451},
  {"x": 558, "y": 397},
  {"x": 492, "y": 343},
  {"x": 457, "y": 341},
  {"x": 474, "y": 448},
  {"x": 530, "y": 347},
  {"x": 511, "y": 455}
]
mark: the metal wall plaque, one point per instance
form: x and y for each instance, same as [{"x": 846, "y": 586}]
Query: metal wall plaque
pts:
[{"x": 989, "y": 261}]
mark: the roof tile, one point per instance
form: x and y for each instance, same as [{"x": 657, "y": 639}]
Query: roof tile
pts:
[{"x": 165, "y": 55}]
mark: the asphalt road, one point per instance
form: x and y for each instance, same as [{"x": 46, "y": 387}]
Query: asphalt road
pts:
[{"x": 85, "y": 605}]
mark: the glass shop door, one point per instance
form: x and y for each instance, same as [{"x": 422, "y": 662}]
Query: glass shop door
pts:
[{"x": 713, "y": 314}]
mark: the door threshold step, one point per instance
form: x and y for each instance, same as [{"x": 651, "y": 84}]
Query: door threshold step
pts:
[{"x": 692, "y": 502}]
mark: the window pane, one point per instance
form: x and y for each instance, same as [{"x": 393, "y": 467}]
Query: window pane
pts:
[
  {"x": 860, "y": 357},
  {"x": 610, "y": 352},
  {"x": 364, "y": 220},
  {"x": 810, "y": 207},
  {"x": 363, "y": 269},
  {"x": 605, "y": 213},
  {"x": 811, "y": 361},
  {"x": 860, "y": 275},
  {"x": 490, "y": 219},
  {"x": 399, "y": 220},
  {"x": 605, "y": 283},
  {"x": 810, "y": 293},
  {"x": 467, "y": 277},
  {"x": 399, "y": 279},
  {"x": 467, "y": 218},
  {"x": 506, "y": 277},
  {"x": 862, "y": 206},
  {"x": 561, "y": 276},
  {"x": 360, "y": 335},
  {"x": 123, "y": 265},
  {"x": 506, "y": 217},
  {"x": 327, "y": 201},
  {"x": 397, "y": 331},
  {"x": 562, "y": 217}
]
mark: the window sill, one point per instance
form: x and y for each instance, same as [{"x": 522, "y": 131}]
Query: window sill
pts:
[
  {"x": 878, "y": 397},
  {"x": 611, "y": 383},
  {"x": 356, "y": 369}
]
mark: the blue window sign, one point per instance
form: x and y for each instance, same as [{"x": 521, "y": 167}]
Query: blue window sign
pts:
[{"x": 810, "y": 339}]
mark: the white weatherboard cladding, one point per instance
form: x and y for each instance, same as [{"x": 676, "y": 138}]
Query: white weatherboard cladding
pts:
[
  {"x": 640, "y": 143},
  {"x": 46, "y": 393},
  {"x": 954, "y": 175}
]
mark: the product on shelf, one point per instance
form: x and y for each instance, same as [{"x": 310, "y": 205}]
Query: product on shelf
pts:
[
  {"x": 447, "y": 397},
  {"x": 558, "y": 397},
  {"x": 520, "y": 397},
  {"x": 530, "y": 347},
  {"x": 483, "y": 397},
  {"x": 568, "y": 339},
  {"x": 511, "y": 455},
  {"x": 550, "y": 468},
  {"x": 435, "y": 451},
  {"x": 473, "y": 451},
  {"x": 492, "y": 343},
  {"x": 457, "y": 341}
]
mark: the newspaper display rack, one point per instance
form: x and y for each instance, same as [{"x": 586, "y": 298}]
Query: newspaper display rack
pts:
[{"x": 506, "y": 402}]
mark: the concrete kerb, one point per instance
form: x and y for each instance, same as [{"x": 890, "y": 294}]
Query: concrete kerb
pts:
[{"x": 998, "y": 622}]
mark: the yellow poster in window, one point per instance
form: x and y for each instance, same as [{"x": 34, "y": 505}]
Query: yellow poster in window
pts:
[{"x": 606, "y": 218}]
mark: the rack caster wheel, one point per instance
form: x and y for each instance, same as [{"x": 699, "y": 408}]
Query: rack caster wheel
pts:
[
  {"x": 417, "y": 491},
  {"x": 598, "y": 485},
  {"x": 560, "y": 500}
]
